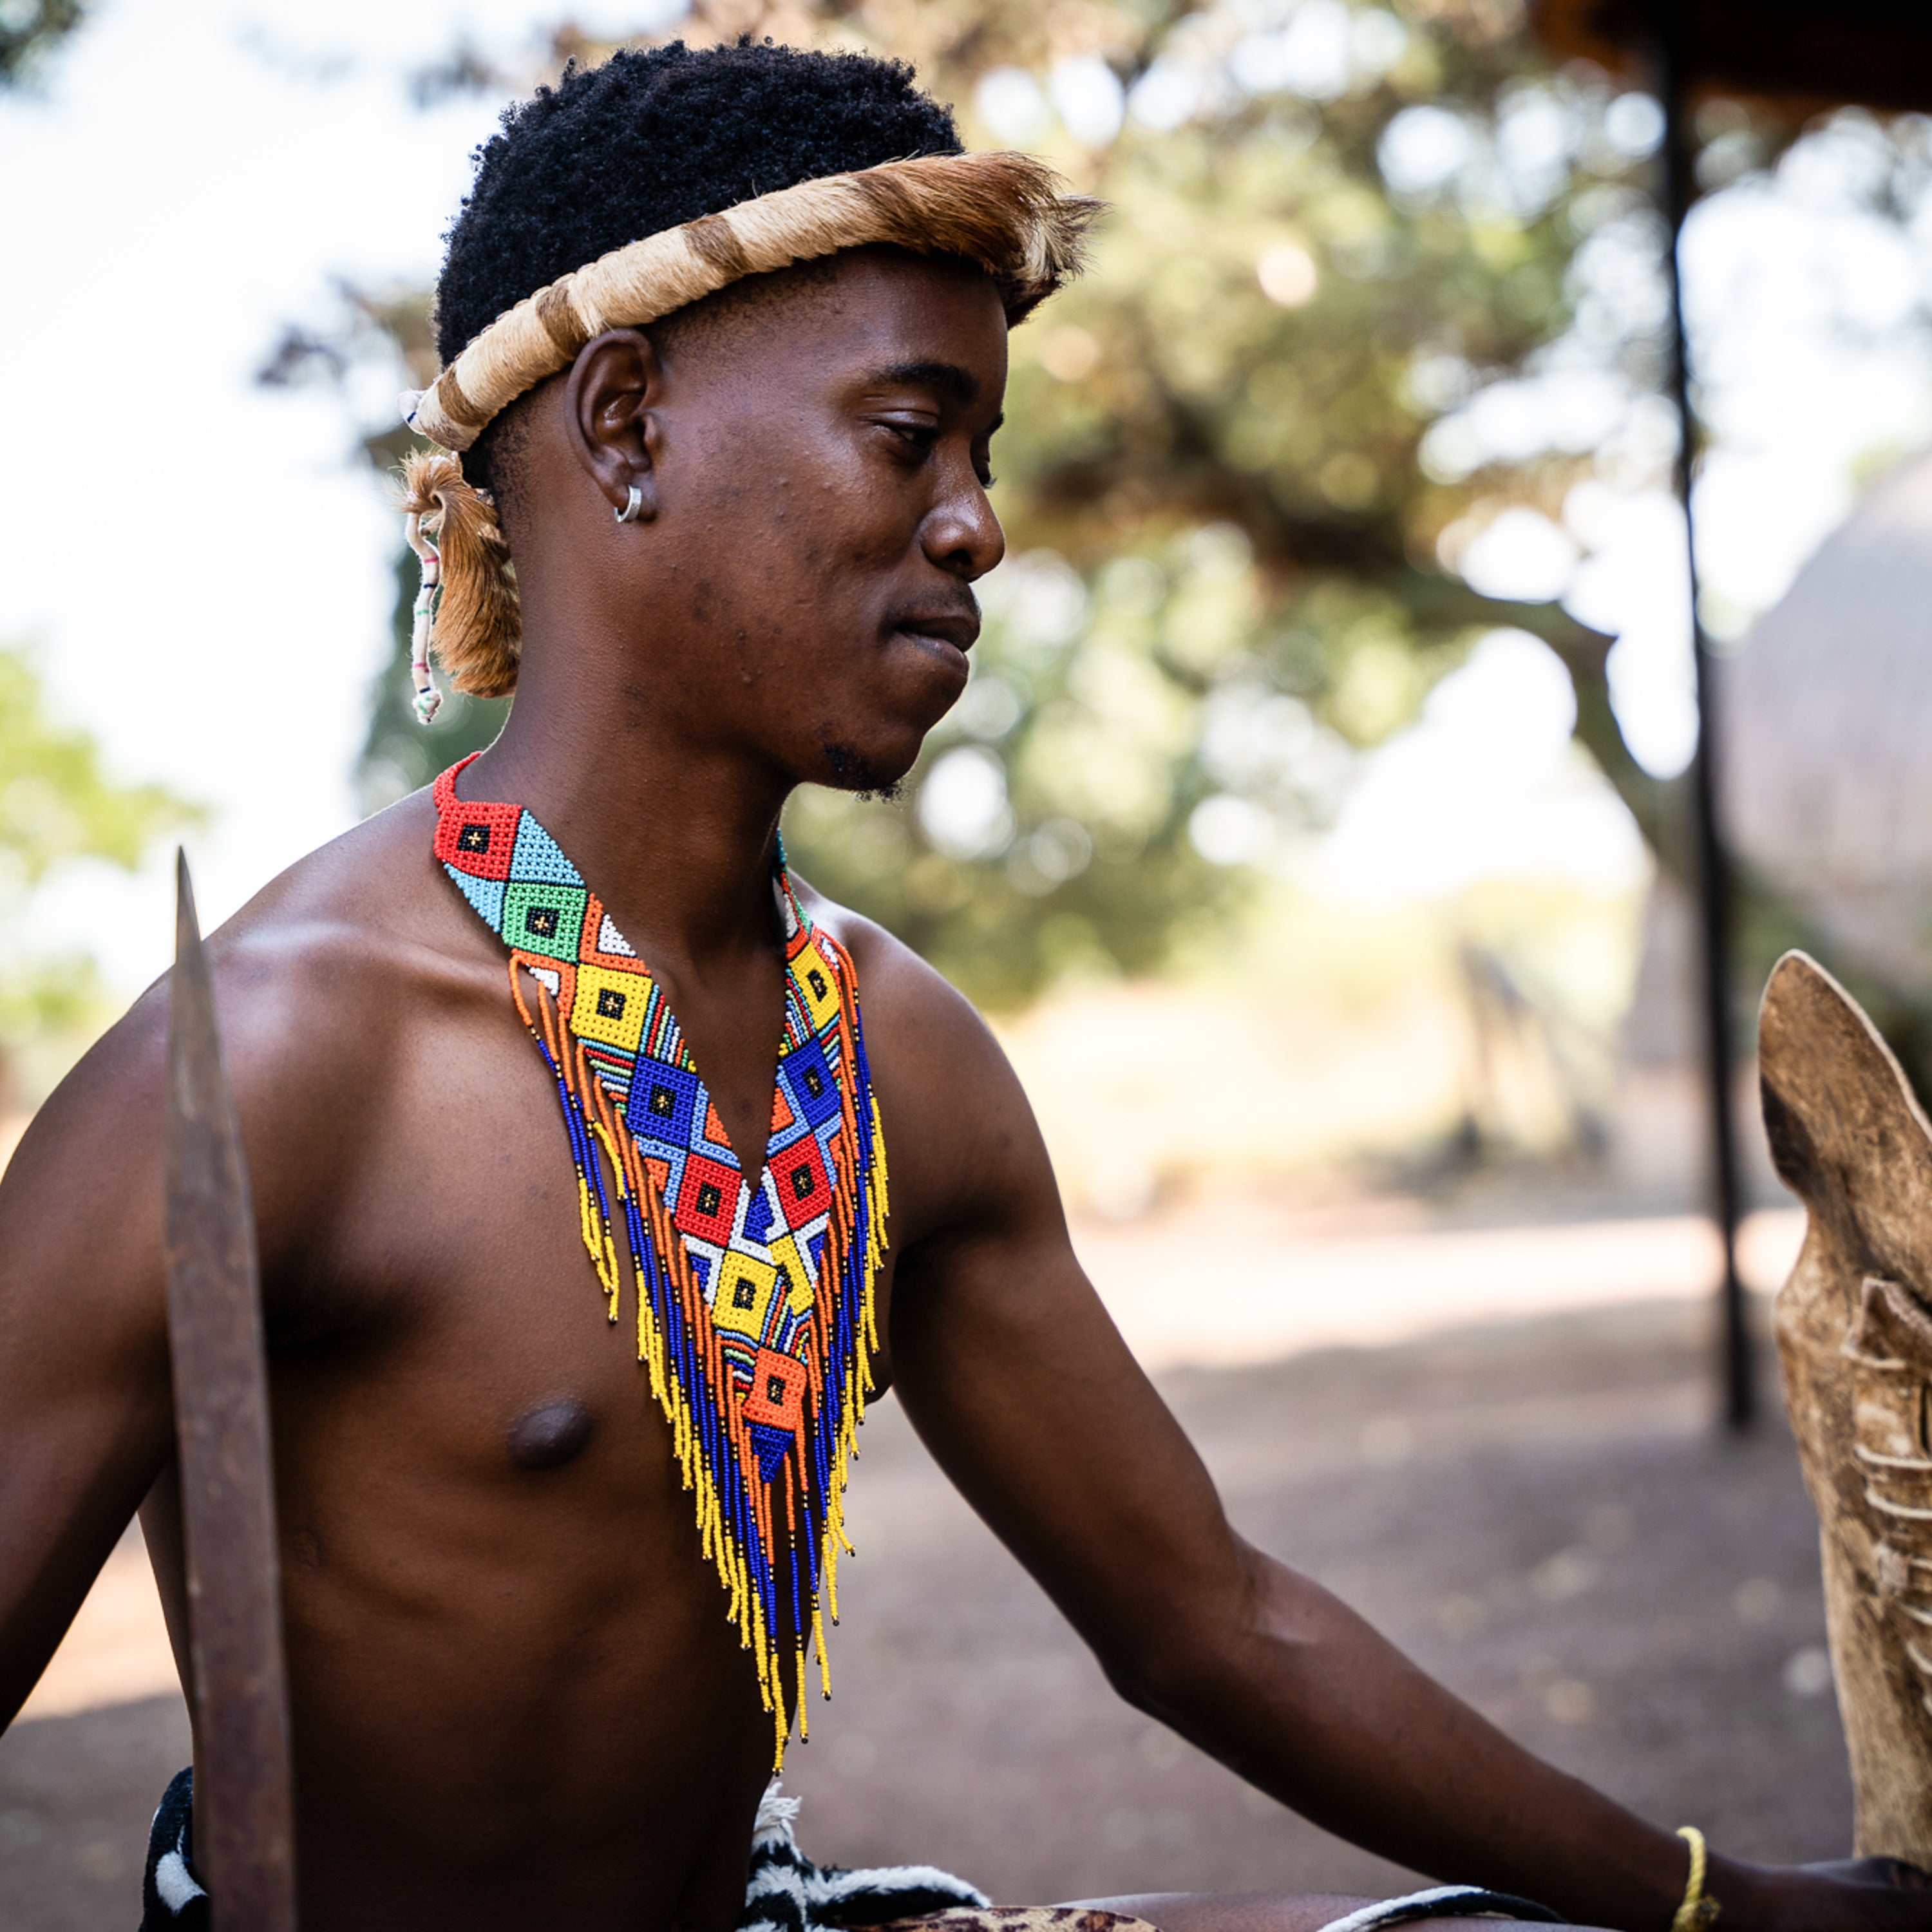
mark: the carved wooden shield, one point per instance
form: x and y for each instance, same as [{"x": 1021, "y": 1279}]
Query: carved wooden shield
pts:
[{"x": 1854, "y": 1326}]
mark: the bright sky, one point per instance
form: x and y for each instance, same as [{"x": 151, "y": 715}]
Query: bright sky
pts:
[
  {"x": 201, "y": 571},
  {"x": 204, "y": 575}
]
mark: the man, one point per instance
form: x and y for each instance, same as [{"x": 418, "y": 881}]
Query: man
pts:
[{"x": 546, "y": 1602}]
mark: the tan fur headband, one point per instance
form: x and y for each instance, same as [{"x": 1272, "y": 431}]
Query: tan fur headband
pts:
[{"x": 1006, "y": 212}]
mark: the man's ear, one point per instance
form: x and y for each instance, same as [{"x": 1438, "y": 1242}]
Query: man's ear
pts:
[{"x": 609, "y": 408}]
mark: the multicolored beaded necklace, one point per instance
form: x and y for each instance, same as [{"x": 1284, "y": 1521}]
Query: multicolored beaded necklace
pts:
[{"x": 755, "y": 1306}]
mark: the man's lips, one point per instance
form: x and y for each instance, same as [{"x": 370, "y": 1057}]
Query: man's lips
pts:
[{"x": 958, "y": 629}]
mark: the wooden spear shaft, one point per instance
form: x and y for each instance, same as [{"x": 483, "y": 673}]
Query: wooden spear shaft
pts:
[{"x": 244, "y": 1824}]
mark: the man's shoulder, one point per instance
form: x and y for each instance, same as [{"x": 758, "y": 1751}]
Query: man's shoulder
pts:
[
  {"x": 345, "y": 984},
  {"x": 967, "y": 1155},
  {"x": 366, "y": 921},
  {"x": 935, "y": 1061},
  {"x": 897, "y": 987},
  {"x": 317, "y": 971}
]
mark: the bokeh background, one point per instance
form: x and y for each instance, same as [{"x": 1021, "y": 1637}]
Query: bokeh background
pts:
[{"x": 1313, "y": 827}]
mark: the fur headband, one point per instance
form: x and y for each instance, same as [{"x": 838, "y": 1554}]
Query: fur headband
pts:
[{"x": 1006, "y": 212}]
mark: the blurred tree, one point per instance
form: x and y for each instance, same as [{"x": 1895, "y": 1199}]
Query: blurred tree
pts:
[
  {"x": 398, "y": 754},
  {"x": 1373, "y": 276},
  {"x": 1334, "y": 228},
  {"x": 29, "y": 30},
  {"x": 56, "y": 806}
]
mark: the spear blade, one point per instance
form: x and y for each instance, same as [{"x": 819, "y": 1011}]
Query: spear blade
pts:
[{"x": 243, "y": 1819}]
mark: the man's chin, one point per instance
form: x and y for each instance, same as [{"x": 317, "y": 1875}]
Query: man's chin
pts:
[{"x": 848, "y": 766}]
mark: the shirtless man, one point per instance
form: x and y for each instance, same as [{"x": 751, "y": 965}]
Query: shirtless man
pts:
[{"x": 744, "y": 539}]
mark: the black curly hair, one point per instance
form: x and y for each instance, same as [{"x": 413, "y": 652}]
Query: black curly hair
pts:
[{"x": 654, "y": 138}]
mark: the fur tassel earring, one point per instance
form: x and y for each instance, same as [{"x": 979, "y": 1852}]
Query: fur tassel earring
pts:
[{"x": 467, "y": 608}]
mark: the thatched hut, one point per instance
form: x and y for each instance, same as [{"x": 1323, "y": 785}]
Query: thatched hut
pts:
[{"x": 1827, "y": 726}]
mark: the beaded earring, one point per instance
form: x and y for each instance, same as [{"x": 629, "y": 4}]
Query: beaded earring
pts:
[{"x": 426, "y": 700}]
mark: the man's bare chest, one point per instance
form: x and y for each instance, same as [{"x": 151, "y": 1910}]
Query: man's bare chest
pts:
[{"x": 446, "y": 1304}]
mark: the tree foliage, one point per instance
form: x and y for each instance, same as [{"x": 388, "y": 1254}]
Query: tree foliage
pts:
[
  {"x": 57, "y": 805},
  {"x": 29, "y": 30},
  {"x": 1243, "y": 455}
]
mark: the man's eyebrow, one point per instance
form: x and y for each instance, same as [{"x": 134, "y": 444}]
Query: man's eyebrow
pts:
[{"x": 948, "y": 379}]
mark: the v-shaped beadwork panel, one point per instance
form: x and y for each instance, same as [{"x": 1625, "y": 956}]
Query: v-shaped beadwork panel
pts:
[{"x": 755, "y": 1304}]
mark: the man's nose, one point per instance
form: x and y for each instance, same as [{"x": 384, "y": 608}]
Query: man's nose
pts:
[{"x": 962, "y": 534}]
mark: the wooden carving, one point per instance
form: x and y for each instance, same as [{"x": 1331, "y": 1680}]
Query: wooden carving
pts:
[{"x": 1854, "y": 1328}]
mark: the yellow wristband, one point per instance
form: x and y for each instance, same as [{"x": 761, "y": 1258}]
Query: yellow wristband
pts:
[{"x": 1697, "y": 1912}]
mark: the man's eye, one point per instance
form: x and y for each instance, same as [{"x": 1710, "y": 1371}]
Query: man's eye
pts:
[{"x": 920, "y": 436}]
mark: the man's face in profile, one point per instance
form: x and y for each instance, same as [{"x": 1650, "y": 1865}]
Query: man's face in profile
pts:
[{"x": 801, "y": 587}]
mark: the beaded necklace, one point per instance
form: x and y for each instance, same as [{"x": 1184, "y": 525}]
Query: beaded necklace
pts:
[{"x": 755, "y": 1306}]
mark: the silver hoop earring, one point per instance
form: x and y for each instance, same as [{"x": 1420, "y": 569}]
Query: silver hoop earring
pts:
[{"x": 633, "y": 505}]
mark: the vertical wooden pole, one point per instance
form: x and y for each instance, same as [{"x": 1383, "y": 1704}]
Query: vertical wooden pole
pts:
[{"x": 1739, "y": 1404}]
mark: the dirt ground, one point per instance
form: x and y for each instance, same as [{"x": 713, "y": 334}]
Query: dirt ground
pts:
[{"x": 1540, "y": 1512}]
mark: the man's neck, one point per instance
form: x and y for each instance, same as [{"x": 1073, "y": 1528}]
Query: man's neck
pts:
[{"x": 676, "y": 840}]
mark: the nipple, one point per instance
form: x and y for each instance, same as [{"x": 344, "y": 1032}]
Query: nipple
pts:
[{"x": 550, "y": 1434}]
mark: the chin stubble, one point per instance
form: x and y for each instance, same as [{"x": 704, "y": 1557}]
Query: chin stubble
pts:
[{"x": 851, "y": 771}]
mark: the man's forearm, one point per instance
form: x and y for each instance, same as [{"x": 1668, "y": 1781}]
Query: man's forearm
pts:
[{"x": 1305, "y": 1699}]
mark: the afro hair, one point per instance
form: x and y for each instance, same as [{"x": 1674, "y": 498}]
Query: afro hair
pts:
[{"x": 656, "y": 138}]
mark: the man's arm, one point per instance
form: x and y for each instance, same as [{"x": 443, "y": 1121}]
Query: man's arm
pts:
[
  {"x": 86, "y": 1404},
  {"x": 86, "y": 1415},
  {"x": 1014, "y": 1376}
]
